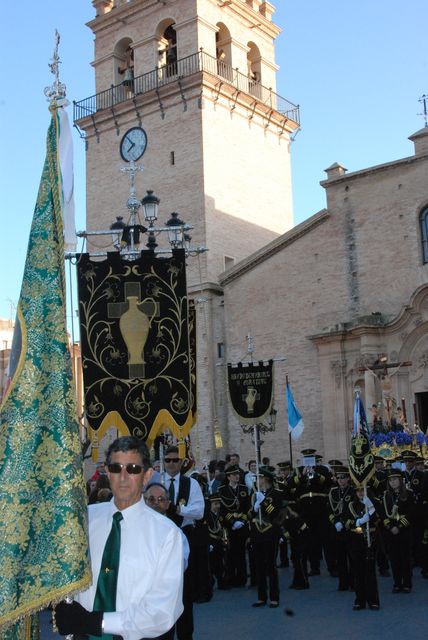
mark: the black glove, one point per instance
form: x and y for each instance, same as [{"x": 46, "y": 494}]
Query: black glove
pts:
[{"x": 73, "y": 618}]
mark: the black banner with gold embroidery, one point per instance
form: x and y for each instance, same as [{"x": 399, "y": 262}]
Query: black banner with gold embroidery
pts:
[
  {"x": 135, "y": 344},
  {"x": 251, "y": 390},
  {"x": 361, "y": 459}
]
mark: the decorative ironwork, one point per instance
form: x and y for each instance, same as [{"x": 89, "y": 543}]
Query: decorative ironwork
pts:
[
  {"x": 57, "y": 90},
  {"x": 262, "y": 427},
  {"x": 175, "y": 72}
]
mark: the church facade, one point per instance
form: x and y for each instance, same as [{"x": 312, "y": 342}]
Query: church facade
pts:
[{"x": 338, "y": 294}]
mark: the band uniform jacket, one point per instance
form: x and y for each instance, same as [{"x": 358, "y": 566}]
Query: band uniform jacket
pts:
[
  {"x": 398, "y": 509},
  {"x": 338, "y": 500},
  {"x": 235, "y": 504},
  {"x": 265, "y": 520}
]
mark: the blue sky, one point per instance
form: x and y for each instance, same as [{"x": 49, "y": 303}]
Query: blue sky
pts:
[{"x": 356, "y": 68}]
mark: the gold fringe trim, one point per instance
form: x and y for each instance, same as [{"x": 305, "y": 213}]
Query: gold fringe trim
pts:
[
  {"x": 164, "y": 421},
  {"x": 112, "y": 419}
]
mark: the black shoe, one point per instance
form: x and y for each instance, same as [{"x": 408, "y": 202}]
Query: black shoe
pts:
[
  {"x": 358, "y": 607},
  {"x": 274, "y": 605},
  {"x": 283, "y": 565},
  {"x": 202, "y": 600},
  {"x": 299, "y": 587},
  {"x": 259, "y": 603},
  {"x": 396, "y": 589},
  {"x": 406, "y": 589},
  {"x": 314, "y": 572},
  {"x": 374, "y": 607}
]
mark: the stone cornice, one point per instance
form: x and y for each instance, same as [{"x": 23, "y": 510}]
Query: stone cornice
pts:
[
  {"x": 381, "y": 326},
  {"x": 269, "y": 250},
  {"x": 200, "y": 287},
  {"x": 255, "y": 18},
  {"x": 106, "y": 20},
  {"x": 372, "y": 170}
]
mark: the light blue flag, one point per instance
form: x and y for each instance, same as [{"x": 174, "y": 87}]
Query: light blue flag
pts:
[
  {"x": 360, "y": 419},
  {"x": 295, "y": 422}
]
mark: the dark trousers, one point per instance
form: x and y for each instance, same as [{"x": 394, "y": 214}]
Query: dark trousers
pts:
[
  {"x": 418, "y": 525},
  {"x": 202, "y": 585},
  {"x": 218, "y": 558},
  {"x": 364, "y": 570},
  {"x": 184, "y": 624},
  {"x": 319, "y": 541},
  {"x": 298, "y": 553},
  {"x": 252, "y": 561},
  {"x": 266, "y": 548},
  {"x": 237, "y": 564},
  {"x": 400, "y": 556},
  {"x": 340, "y": 544},
  {"x": 283, "y": 552},
  {"x": 381, "y": 554}
]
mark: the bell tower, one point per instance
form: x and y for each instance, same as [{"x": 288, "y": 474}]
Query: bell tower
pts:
[{"x": 199, "y": 77}]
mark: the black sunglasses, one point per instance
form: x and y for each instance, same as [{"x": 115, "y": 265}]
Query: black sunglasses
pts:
[
  {"x": 171, "y": 459},
  {"x": 116, "y": 467}
]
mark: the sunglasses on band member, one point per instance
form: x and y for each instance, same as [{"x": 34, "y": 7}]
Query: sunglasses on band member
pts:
[
  {"x": 171, "y": 459},
  {"x": 131, "y": 468}
]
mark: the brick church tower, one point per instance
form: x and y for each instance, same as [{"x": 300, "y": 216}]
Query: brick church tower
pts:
[{"x": 198, "y": 77}]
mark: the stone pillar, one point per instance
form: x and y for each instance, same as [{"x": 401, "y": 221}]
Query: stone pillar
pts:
[{"x": 370, "y": 391}]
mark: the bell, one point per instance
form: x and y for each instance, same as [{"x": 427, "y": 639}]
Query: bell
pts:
[{"x": 128, "y": 80}]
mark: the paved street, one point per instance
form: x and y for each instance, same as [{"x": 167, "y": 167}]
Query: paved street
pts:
[{"x": 320, "y": 612}]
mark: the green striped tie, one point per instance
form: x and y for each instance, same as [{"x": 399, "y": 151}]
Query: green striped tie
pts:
[{"x": 105, "y": 596}]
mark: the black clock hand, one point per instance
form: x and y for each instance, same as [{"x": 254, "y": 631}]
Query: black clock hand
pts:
[{"x": 132, "y": 145}]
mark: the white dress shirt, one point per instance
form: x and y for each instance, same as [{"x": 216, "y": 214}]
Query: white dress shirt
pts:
[
  {"x": 194, "y": 509},
  {"x": 150, "y": 579}
]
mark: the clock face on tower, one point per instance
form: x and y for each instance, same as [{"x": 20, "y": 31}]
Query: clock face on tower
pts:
[{"x": 133, "y": 144}]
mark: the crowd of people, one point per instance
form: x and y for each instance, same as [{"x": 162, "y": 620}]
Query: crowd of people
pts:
[{"x": 241, "y": 525}]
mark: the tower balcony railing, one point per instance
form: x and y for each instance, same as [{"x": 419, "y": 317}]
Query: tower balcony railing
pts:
[{"x": 183, "y": 68}]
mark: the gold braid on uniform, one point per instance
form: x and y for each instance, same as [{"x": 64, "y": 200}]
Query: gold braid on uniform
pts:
[{"x": 393, "y": 517}]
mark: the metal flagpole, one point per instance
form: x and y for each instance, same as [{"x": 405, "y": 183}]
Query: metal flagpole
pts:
[
  {"x": 289, "y": 432},
  {"x": 257, "y": 447},
  {"x": 161, "y": 463},
  {"x": 368, "y": 521}
]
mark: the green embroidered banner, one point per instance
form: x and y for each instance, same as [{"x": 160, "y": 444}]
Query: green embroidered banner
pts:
[{"x": 43, "y": 531}]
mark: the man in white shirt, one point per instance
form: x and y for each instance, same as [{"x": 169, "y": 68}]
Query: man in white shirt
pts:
[
  {"x": 150, "y": 573},
  {"x": 156, "y": 497},
  {"x": 187, "y": 505}
]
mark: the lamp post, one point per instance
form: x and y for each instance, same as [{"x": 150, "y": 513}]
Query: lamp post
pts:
[
  {"x": 260, "y": 428},
  {"x": 126, "y": 236}
]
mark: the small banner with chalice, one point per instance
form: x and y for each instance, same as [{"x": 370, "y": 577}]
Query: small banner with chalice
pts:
[{"x": 251, "y": 390}]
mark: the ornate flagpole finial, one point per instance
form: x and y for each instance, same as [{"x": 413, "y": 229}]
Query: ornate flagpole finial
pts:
[
  {"x": 423, "y": 100},
  {"x": 56, "y": 91}
]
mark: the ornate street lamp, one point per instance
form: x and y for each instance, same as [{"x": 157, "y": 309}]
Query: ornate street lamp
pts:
[{"x": 150, "y": 204}]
